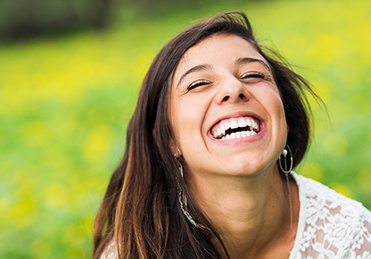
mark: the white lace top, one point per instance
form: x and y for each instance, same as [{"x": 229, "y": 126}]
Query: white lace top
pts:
[{"x": 331, "y": 226}]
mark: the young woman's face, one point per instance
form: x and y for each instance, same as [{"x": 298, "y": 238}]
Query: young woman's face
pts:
[{"x": 226, "y": 110}]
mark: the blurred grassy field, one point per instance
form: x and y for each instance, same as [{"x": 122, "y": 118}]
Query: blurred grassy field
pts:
[{"x": 65, "y": 103}]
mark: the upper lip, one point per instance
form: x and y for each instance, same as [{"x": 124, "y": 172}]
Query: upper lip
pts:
[{"x": 236, "y": 115}]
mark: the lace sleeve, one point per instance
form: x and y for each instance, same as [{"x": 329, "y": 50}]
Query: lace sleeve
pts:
[
  {"x": 330, "y": 225},
  {"x": 361, "y": 246}
]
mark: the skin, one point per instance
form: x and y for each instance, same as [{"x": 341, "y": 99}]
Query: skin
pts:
[{"x": 237, "y": 181}]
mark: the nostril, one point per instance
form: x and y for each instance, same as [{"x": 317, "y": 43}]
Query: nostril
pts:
[
  {"x": 234, "y": 95},
  {"x": 226, "y": 98},
  {"x": 242, "y": 96}
]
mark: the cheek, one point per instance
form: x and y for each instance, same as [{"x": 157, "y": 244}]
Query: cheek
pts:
[
  {"x": 270, "y": 98},
  {"x": 281, "y": 121},
  {"x": 281, "y": 117},
  {"x": 282, "y": 114},
  {"x": 187, "y": 118}
]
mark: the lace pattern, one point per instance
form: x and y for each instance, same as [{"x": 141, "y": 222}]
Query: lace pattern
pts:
[
  {"x": 331, "y": 226},
  {"x": 110, "y": 251}
]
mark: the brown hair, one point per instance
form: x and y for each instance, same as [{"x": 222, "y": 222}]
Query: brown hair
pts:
[{"x": 140, "y": 210}]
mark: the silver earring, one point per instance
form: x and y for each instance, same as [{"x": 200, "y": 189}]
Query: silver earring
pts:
[
  {"x": 287, "y": 170},
  {"x": 183, "y": 201},
  {"x": 180, "y": 167}
]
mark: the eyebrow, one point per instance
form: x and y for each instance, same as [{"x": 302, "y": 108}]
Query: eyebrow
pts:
[
  {"x": 245, "y": 60},
  {"x": 194, "y": 69}
]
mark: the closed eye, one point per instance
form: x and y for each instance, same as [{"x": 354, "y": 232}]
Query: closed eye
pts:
[
  {"x": 254, "y": 75},
  {"x": 198, "y": 83}
]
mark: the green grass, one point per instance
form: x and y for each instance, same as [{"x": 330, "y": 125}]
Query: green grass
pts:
[{"x": 65, "y": 103}]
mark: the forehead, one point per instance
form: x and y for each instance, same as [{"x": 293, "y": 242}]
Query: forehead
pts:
[{"x": 216, "y": 49}]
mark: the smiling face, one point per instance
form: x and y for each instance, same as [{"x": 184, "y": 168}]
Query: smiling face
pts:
[{"x": 226, "y": 110}]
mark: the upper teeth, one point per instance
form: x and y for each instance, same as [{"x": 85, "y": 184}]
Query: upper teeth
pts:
[{"x": 234, "y": 123}]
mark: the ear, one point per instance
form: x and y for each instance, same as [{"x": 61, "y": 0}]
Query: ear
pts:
[
  {"x": 175, "y": 149},
  {"x": 173, "y": 146}
]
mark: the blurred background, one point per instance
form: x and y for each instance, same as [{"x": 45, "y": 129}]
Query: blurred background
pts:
[{"x": 70, "y": 71}]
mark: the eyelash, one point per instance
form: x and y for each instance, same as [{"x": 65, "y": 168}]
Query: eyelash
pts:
[
  {"x": 255, "y": 74},
  {"x": 197, "y": 84}
]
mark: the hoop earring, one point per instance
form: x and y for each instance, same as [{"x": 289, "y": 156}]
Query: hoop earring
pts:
[
  {"x": 287, "y": 171},
  {"x": 184, "y": 202}
]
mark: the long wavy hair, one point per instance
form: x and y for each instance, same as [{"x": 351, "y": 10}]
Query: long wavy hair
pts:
[{"x": 141, "y": 212}]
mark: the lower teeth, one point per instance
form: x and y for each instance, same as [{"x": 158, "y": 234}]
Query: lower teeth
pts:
[{"x": 240, "y": 134}]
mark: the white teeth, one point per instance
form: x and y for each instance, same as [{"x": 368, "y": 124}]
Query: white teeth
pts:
[
  {"x": 219, "y": 132},
  {"x": 226, "y": 125},
  {"x": 240, "y": 134},
  {"x": 255, "y": 125},
  {"x": 234, "y": 124},
  {"x": 242, "y": 122},
  {"x": 222, "y": 128},
  {"x": 249, "y": 122}
]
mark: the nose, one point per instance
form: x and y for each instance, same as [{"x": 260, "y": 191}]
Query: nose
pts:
[{"x": 232, "y": 91}]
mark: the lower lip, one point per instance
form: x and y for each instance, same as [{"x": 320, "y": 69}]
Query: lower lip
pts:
[{"x": 241, "y": 140}]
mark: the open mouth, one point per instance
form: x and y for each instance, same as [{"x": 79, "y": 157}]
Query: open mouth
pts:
[{"x": 232, "y": 128}]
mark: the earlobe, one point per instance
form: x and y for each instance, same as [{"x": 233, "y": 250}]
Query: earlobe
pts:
[
  {"x": 173, "y": 146},
  {"x": 175, "y": 150}
]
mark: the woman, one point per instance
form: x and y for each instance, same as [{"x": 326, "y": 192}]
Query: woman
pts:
[{"x": 207, "y": 171}]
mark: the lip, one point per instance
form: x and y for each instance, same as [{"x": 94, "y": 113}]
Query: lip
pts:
[{"x": 238, "y": 114}]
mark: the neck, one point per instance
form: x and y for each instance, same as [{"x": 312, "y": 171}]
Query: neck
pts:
[{"x": 248, "y": 213}]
